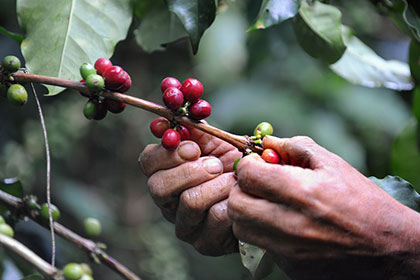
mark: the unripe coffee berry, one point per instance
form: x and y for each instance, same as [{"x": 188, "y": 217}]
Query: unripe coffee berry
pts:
[
  {"x": 87, "y": 69},
  {"x": 171, "y": 139},
  {"x": 6, "y": 230},
  {"x": 2, "y": 221},
  {"x": 95, "y": 82},
  {"x": 270, "y": 156},
  {"x": 101, "y": 110},
  {"x": 263, "y": 129},
  {"x": 183, "y": 132},
  {"x": 90, "y": 110},
  {"x": 169, "y": 82},
  {"x": 102, "y": 64},
  {"x": 11, "y": 63},
  {"x": 173, "y": 98},
  {"x": 72, "y": 271},
  {"x": 55, "y": 213},
  {"x": 114, "y": 77},
  {"x": 86, "y": 268},
  {"x": 200, "y": 110},
  {"x": 114, "y": 106},
  {"x": 92, "y": 227},
  {"x": 17, "y": 95},
  {"x": 192, "y": 90},
  {"x": 86, "y": 277},
  {"x": 159, "y": 125}
]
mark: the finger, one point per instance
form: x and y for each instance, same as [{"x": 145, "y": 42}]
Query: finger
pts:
[
  {"x": 274, "y": 182},
  {"x": 216, "y": 236},
  {"x": 155, "y": 157},
  {"x": 166, "y": 185},
  {"x": 298, "y": 151},
  {"x": 195, "y": 202}
]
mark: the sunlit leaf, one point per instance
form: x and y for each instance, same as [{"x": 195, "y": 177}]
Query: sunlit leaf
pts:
[
  {"x": 273, "y": 12},
  {"x": 60, "y": 36},
  {"x": 15, "y": 36},
  {"x": 195, "y": 15},
  {"x": 318, "y": 30}
]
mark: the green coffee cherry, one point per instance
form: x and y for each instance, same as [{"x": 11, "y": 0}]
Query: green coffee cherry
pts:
[
  {"x": 6, "y": 230},
  {"x": 92, "y": 226},
  {"x": 235, "y": 165},
  {"x": 3, "y": 90},
  {"x": 17, "y": 95},
  {"x": 54, "y": 211},
  {"x": 263, "y": 129},
  {"x": 86, "y": 277},
  {"x": 86, "y": 269},
  {"x": 90, "y": 110},
  {"x": 32, "y": 202},
  {"x": 87, "y": 69},
  {"x": 11, "y": 63},
  {"x": 95, "y": 82},
  {"x": 2, "y": 220},
  {"x": 72, "y": 271}
]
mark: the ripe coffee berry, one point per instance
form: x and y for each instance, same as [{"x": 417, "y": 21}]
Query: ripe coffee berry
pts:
[
  {"x": 200, "y": 110},
  {"x": 173, "y": 98},
  {"x": 102, "y": 64},
  {"x": 159, "y": 125},
  {"x": 115, "y": 77},
  {"x": 183, "y": 132},
  {"x": 101, "y": 110},
  {"x": 114, "y": 106},
  {"x": 95, "y": 82},
  {"x": 192, "y": 90},
  {"x": 87, "y": 69},
  {"x": 169, "y": 82},
  {"x": 127, "y": 83},
  {"x": 171, "y": 139},
  {"x": 11, "y": 63},
  {"x": 17, "y": 95},
  {"x": 270, "y": 156}
]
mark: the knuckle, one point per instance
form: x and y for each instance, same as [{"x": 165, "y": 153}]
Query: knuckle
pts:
[
  {"x": 191, "y": 199},
  {"x": 302, "y": 140},
  {"x": 156, "y": 187},
  {"x": 218, "y": 214}
]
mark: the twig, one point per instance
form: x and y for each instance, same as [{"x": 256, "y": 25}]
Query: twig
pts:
[
  {"x": 87, "y": 245},
  {"x": 243, "y": 143},
  {"x": 45, "y": 268}
]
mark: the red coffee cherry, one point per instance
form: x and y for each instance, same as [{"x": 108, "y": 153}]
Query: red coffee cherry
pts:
[
  {"x": 171, "y": 139},
  {"x": 270, "y": 156},
  {"x": 114, "y": 77},
  {"x": 102, "y": 64},
  {"x": 169, "y": 82},
  {"x": 114, "y": 106},
  {"x": 127, "y": 83},
  {"x": 192, "y": 90},
  {"x": 173, "y": 98},
  {"x": 200, "y": 110},
  {"x": 184, "y": 132},
  {"x": 159, "y": 125},
  {"x": 101, "y": 110}
]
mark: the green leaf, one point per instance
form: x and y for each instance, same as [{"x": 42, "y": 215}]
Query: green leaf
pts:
[
  {"x": 318, "y": 30},
  {"x": 256, "y": 260},
  {"x": 35, "y": 276},
  {"x": 416, "y": 103},
  {"x": 361, "y": 65},
  {"x": 12, "y": 186},
  {"x": 400, "y": 190},
  {"x": 405, "y": 156},
  {"x": 158, "y": 28},
  {"x": 63, "y": 35},
  {"x": 405, "y": 15},
  {"x": 142, "y": 7},
  {"x": 195, "y": 15},
  {"x": 273, "y": 12},
  {"x": 17, "y": 37},
  {"x": 414, "y": 60}
]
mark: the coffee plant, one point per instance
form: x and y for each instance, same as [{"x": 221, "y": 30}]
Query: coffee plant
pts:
[{"x": 67, "y": 47}]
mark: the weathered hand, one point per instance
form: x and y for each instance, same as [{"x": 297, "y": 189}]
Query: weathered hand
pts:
[
  {"x": 191, "y": 186},
  {"x": 320, "y": 217}
]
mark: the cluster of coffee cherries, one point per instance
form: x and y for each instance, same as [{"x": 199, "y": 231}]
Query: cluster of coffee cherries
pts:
[
  {"x": 77, "y": 271},
  {"x": 15, "y": 93},
  {"x": 103, "y": 75},
  {"x": 182, "y": 99},
  {"x": 31, "y": 202},
  {"x": 263, "y": 129}
]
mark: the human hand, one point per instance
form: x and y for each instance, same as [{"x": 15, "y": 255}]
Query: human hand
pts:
[
  {"x": 191, "y": 186},
  {"x": 319, "y": 216}
]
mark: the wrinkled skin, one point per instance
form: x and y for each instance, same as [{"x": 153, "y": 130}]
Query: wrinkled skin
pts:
[{"x": 318, "y": 216}]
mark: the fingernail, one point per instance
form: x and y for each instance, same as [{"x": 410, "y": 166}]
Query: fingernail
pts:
[
  {"x": 188, "y": 151},
  {"x": 213, "y": 165}
]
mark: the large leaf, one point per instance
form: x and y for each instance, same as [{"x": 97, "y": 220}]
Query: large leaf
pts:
[
  {"x": 195, "y": 15},
  {"x": 158, "y": 28},
  {"x": 361, "y": 65},
  {"x": 400, "y": 190},
  {"x": 60, "y": 36},
  {"x": 12, "y": 186},
  {"x": 256, "y": 260},
  {"x": 406, "y": 15},
  {"x": 15, "y": 36},
  {"x": 318, "y": 30},
  {"x": 273, "y": 12},
  {"x": 405, "y": 155}
]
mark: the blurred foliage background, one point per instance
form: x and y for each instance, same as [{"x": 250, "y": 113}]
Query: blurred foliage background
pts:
[{"x": 248, "y": 78}]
